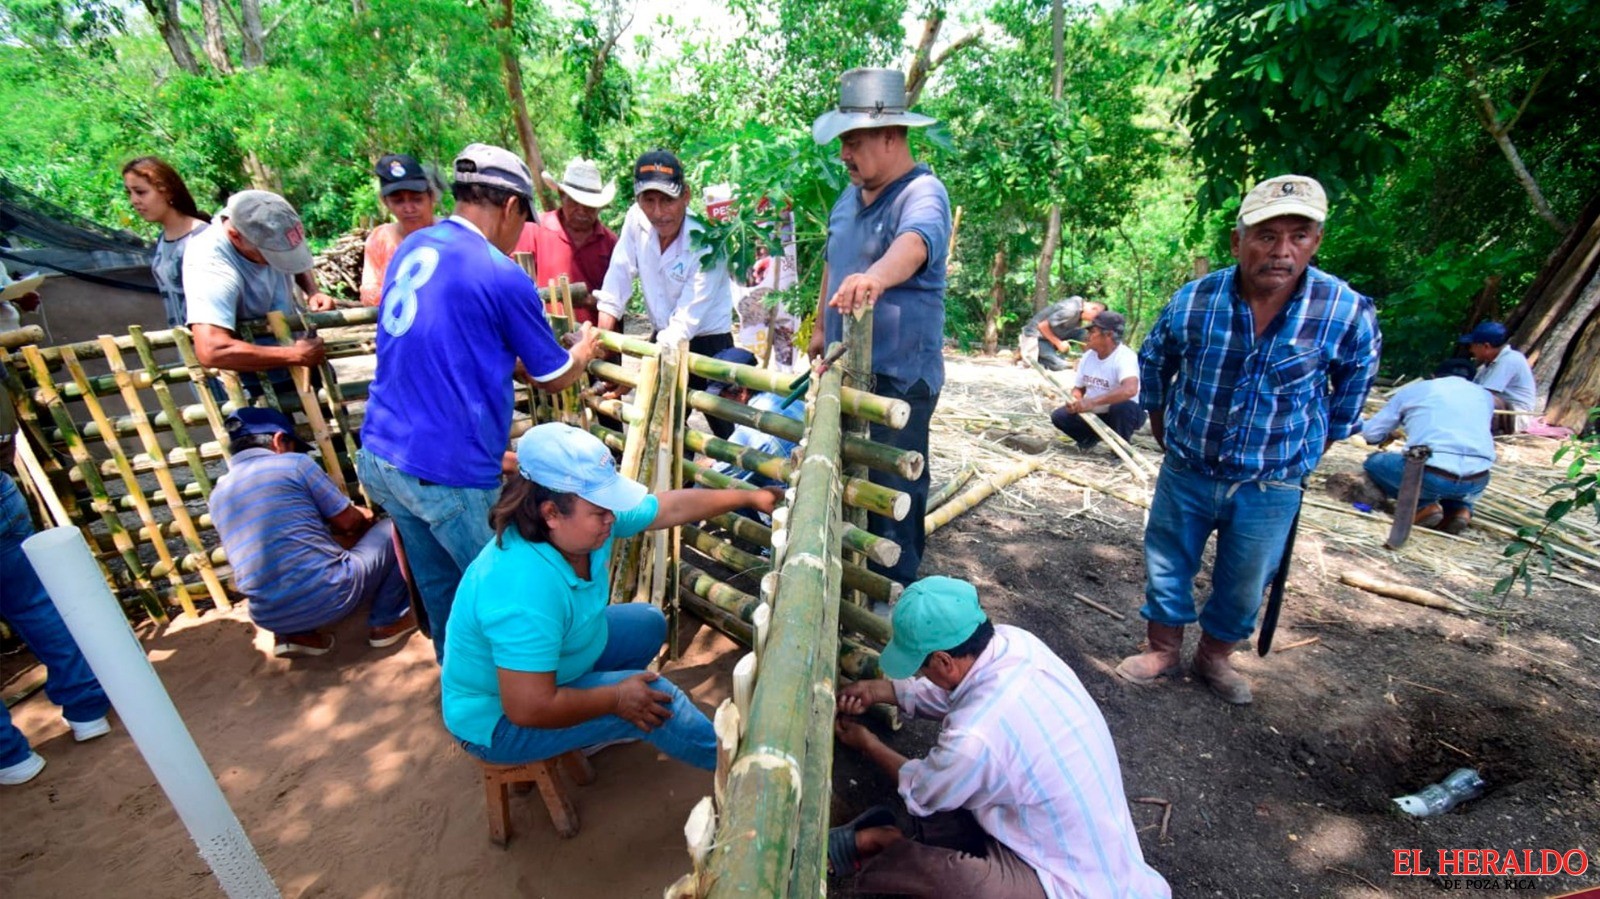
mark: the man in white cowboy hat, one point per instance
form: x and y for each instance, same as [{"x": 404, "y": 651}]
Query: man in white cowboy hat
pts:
[
  {"x": 888, "y": 237},
  {"x": 571, "y": 241}
]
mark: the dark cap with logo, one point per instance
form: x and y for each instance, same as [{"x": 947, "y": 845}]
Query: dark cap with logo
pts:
[
  {"x": 251, "y": 420},
  {"x": 658, "y": 170},
  {"x": 1492, "y": 333},
  {"x": 397, "y": 172}
]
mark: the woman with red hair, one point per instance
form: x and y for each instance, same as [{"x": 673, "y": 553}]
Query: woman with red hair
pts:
[{"x": 159, "y": 195}]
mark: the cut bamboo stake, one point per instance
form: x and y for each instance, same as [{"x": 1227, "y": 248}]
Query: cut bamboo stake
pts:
[
  {"x": 1403, "y": 592},
  {"x": 978, "y": 493},
  {"x": 858, "y": 493},
  {"x": 169, "y": 406},
  {"x": 301, "y": 377},
  {"x": 856, "y": 577},
  {"x": 858, "y": 374},
  {"x": 859, "y": 450},
  {"x": 197, "y": 377},
  {"x": 130, "y": 483}
]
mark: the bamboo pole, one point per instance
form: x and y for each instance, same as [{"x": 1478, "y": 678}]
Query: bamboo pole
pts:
[
  {"x": 876, "y": 409},
  {"x": 169, "y": 406},
  {"x": 858, "y": 493},
  {"x": 1141, "y": 469},
  {"x": 197, "y": 377},
  {"x": 978, "y": 493},
  {"x": 951, "y": 488},
  {"x": 770, "y": 807},
  {"x": 882, "y": 550},
  {"x": 20, "y": 337},
  {"x": 643, "y": 403},
  {"x": 856, "y": 577},
  {"x": 179, "y": 511},
  {"x": 301, "y": 378},
  {"x": 857, "y": 331},
  {"x": 671, "y": 478},
  {"x": 908, "y": 464},
  {"x": 102, "y": 503},
  {"x": 90, "y": 349}
]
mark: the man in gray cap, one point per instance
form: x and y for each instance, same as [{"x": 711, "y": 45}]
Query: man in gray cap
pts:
[
  {"x": 1249, "y": 374},
  {"x": 1108, "y": 385},
  {"x": 888, "y": 238},
  {"x": 1044, "y": 338},
  {"x": 241, "y": 269},
  {"x": 457, "y": 315}
]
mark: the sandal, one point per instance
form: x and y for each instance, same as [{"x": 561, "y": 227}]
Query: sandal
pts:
[{"x": 843, "y": 856}]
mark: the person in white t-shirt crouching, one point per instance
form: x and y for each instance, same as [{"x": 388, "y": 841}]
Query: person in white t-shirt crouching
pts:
[{"x": 1108, "y": 385}]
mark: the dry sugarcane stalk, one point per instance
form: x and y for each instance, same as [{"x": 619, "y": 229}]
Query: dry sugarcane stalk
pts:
[
  {"x": 1403, "y": 592},
  {"x": 978, "y": 493},
  {"x": 130, "y": 483},
  {"x": 1132, "y": 499},
  {"x": 770, "y": 804}
]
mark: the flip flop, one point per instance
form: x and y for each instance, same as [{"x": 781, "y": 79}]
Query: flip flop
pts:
[{"x": 842, "y": 854}]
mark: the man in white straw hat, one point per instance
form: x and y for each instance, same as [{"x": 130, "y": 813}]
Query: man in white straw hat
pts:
[
  {"x": 888, "y": 238},
  {"x": 571, "y": 241}
]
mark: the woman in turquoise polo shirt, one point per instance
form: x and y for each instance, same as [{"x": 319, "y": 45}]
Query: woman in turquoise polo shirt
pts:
[{"x": 537, "y": 660}]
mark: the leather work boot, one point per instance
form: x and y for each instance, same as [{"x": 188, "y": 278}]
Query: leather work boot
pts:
[
  {"x": 1456, "y": 521},
  {"x": 1159, "y": 660},
  {"x": 1212, "y": 666},
  {"x": 1428, "y": 516}
]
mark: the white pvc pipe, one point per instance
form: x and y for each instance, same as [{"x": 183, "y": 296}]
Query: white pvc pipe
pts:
[{"x": 69, "y": 573}]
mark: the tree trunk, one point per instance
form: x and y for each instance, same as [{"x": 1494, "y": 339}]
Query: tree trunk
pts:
[
  {"x": 519, "y": 102},
  {"x": 1576, "y": 388},
  {"x": 1490, "y": 117},
  {"x": 165, "y": 14},
  {"x": 997, "y": 300},
  {"x": 1041, "y": 273},
  {"x": 254, "y": 37},
  {"x": 922, "y": 59},
  {"x": 1548, "y": 303},
  {"x": 216, "y": 42},
  {"x": 1052, "y": 231}
]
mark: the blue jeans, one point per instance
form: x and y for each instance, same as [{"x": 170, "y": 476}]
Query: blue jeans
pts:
[
  {"x": 635, "y": 634},
  {"x": 907, "y": 532},
  {"x": 1387, "y": 468},
  {"x": 1251, "y": 519},
  {"x": 443, "y": 529},
  {"x": 28, "y": 609},
  {"x": 372, "y": 576}
]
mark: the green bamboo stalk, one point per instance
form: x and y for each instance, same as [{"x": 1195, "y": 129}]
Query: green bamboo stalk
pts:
[
  {"x": 193, "y": 562},
  {"x": 130, "y": 482},
  {"x": 90, "y": 349},
  {"x": 879, "y": 549},
  {"x": 857, "y": 361},
  {"x": 672, "y": 478},
  {"x": 180, "y": 429},
  {"x": 643, "y": 403},
  {"x": 28, "y": 419},
  {"x": 857, "y": 492},
  {"x": 720, "y": 620},
  {"x": 178, "y": 510},
  {"x": 951, "y": 488},
  {"x": 197, "y": 377},
  {"x": 858, "y": 661},
  {"x": 857, "y": 449},
  {"x": 766, "y": 814},
  {"x": 20, "y": 337},
  {"x": 102, "y": 503},
  {"x": 730, "y": 600},
  {"x": 301, "y": 376},
  {"x": 616, "y": 374},
  {"x": 978, "y": 493}
]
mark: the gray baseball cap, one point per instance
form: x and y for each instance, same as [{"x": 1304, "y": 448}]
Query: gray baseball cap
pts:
[
  {"x": 495, "y": 167},
  {"x": 272, "y": 226}
]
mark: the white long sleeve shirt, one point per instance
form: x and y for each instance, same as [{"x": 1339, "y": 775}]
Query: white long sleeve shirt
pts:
[
  {"x": 1025, "y": 750},
  {"x": 683, "y": 300}
]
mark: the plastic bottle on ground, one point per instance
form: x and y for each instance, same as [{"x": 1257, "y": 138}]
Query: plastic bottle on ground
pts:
[{"x": 1462, "y": 784}]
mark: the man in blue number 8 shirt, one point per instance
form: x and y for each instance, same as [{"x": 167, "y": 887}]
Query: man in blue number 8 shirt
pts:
[{"x": 456, "y": 316}]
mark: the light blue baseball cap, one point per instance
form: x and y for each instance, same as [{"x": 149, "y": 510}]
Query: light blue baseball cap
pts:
[
  {"x": 564, "y": 459},
  {"x": 933, "y": 614}
]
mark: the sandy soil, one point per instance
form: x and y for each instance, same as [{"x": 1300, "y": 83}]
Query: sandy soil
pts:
[{"x": 342, "y": 773}]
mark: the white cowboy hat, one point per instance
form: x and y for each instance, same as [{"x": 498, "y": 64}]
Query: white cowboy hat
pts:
[
  {"x": 868, "y": 98},
  {"x": 581, "y": 181}
]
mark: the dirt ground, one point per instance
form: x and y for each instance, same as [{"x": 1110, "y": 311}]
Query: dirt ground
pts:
[{"x": 342, "y": 774}]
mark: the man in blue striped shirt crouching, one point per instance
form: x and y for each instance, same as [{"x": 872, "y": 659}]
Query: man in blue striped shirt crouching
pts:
[
  {"x": 1249, "y": 374},
  {"x": 302, "y": 554},
  {"x": 1020, "y": 798}
]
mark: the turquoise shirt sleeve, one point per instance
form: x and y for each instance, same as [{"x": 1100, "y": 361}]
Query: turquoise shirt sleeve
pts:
[{"x": 635, "y": 520}]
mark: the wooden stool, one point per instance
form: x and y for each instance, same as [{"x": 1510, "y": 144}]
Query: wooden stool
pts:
[{"x": 546, "y": 774}]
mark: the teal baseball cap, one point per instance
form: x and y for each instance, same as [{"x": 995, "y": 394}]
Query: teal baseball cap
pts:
[
  {"x": 935, "y": 613},
  {"x": 564, "y": 459}
]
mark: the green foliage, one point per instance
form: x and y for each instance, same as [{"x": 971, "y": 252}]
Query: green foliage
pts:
[{"x": 1536, "y": 544}]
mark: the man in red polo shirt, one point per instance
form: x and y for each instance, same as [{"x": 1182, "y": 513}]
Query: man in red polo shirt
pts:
[{"x": 571, "y": 241}]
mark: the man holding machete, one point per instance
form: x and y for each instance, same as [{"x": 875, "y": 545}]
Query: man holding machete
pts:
[{"x": 1248, "y": 375}]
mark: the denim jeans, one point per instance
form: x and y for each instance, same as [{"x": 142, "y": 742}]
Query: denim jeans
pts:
[
  {"x": 1123, "y": 418},
  {"x": 1387, "y": 469},
  {"x": 28, "y": 609},
  {"x": 635, "y": 634},
  {"x": 443, "y": 529},
  {"x": 907, "y": 532},
  {"x": 1251, "y": 520},
  {"x": 372, "y": 575}
]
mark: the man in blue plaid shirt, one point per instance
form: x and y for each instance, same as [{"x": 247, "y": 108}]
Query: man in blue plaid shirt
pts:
[{"x": 1248, "y": 375}]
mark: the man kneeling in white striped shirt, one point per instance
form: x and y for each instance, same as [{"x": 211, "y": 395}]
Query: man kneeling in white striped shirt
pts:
[{"x": 1020, "y": 798}]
